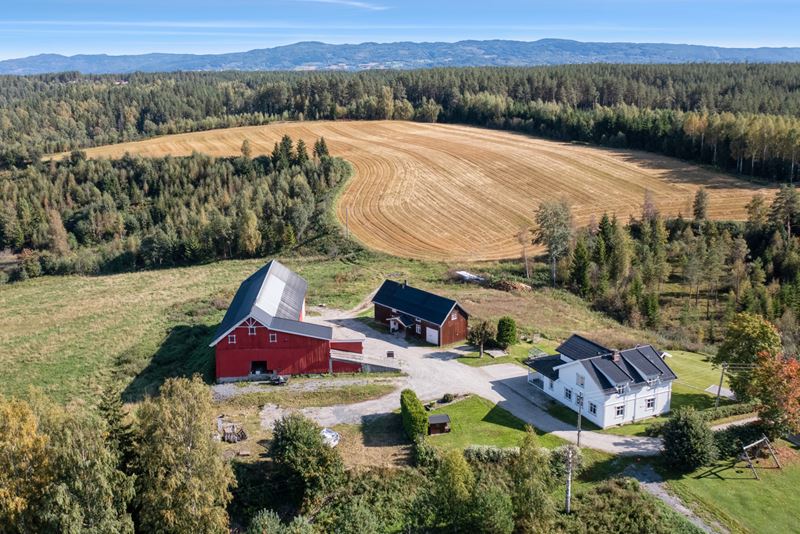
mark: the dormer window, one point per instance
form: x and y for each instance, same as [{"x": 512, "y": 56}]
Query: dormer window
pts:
[
  {"x": 232, "y": 340},
  {"x": 651, "y": 381},
  {"x": 620, "y": 390}
]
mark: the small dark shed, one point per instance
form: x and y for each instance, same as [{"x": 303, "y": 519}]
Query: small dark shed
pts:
[{"x": 438, "y": 424}]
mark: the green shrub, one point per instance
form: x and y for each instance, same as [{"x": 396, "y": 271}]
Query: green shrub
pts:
[
  {"x": 448, "y": 397},
  {"x": 559, "y": 459},
  {"x": 616, "y": 505},
  {"x": 729, "y": 441},
  {"x": 304, "y": 463},
  {"x": 424, "y": 454},
  {"x": 488, "y": 454},
  {"x": 506, "y": 332},
  {"x": 265, "y": 522},
  {"x": 415, "y": 418},
  {"x": 688, "y": 441},
  {"x": 728, "y": 410},
  {"x": 491, "y": 510},
  {"x": 708, "y": 415}
]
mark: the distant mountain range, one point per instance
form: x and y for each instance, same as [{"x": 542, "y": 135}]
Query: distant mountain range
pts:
[{"x": 403, "y": 55}]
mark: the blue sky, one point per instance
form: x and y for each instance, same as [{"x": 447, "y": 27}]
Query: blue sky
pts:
[{"x": 203, "y": 26}]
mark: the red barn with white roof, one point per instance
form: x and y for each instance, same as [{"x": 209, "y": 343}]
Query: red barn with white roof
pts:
[{"x": 264, "y": 332}]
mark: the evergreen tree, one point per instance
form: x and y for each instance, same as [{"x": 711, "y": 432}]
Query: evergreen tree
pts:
[
  {"x": 579, "y": 271},
  {"x": 700, "y": 206}
]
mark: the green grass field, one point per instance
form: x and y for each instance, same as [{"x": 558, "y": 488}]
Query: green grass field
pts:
[
  {"x": 729, "y": 494},
  {"x": 477, "y": 421}
]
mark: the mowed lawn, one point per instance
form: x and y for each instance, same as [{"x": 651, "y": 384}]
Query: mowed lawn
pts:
[
  {"x": 477, "y": 421},
  {"x": 730, "y": 494},
  {"x": 71, "y": 336}
]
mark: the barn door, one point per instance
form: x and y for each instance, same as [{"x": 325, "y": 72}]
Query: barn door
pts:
[{"x": 431, "y": 335}]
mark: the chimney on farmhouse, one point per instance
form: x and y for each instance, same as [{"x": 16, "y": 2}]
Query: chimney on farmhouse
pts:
[
  {"x": 405, "y": 283},
  {"x": 615, "y": 357}
]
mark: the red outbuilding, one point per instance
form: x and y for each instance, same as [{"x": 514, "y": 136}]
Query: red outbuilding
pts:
[{"x": 263, "y": 331}]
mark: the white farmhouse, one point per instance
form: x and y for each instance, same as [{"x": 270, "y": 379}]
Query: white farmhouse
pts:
[{"x": 614, "y": 387}]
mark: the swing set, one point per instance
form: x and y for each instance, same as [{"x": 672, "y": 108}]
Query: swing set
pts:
[{"x": 757, "y": 447}]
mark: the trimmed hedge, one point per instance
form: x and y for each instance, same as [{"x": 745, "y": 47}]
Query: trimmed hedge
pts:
[
  {"x": 730, "y": 440},
  {"x": 709, "y": 415},
  {"x": 487, "y": 454},
  {"x": 415, "y": 418}
]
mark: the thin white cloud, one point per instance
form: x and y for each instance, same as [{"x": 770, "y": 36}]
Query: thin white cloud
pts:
[{"x": 350, "y": 3}]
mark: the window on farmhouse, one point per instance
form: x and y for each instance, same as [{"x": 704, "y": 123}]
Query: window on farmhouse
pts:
[
  {"x": 580, "y": 380},
  {"x": 419, "y": 329},
  {"x": 454, "y": 316},
  {"x": 592, "y": 408},
  {"x": 251, "y": 330},
  {"x": 650, "y": 404},
  {"x": 567, "y": 393},
  {"x": 620, "y": 411},
  {"x": 273, "y": 338},
  {"x": 620, "y": 390},
  {"x": 231, "y": 340}
]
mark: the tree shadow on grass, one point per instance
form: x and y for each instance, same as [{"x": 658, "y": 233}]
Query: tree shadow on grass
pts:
[
  {"x": 698, "y": 401},
  {"x": 257, "y": 488},
  {"x": 184, "y": 352},
  {"x": 502, "y": 417},
  {"x": 383, "y": 430}
]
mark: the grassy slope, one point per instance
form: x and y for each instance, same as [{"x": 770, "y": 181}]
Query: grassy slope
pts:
[
  {"x": 731, "y": 495},
  {"x": 72, "y": 335}
]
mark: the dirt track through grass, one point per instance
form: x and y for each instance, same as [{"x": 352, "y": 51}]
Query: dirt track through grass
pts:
[{"x": 437, "y": 191}]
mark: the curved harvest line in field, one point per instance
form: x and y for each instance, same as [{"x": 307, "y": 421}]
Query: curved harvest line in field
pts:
[{"x": 436, "y": 191}]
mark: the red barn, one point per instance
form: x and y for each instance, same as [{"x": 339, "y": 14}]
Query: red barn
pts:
[
  {"x": 263, "y": 332},
  {"x": 421, "y": 314}
]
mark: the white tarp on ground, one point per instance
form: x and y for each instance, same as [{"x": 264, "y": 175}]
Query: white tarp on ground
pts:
[{"x": 469, "y": 277}]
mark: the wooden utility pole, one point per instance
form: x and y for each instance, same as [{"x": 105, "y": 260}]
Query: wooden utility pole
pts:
[
  {"x": 580, "y": 416},
  {"x": 568, "y": 504},
  {"x": 719, "y": 389}
]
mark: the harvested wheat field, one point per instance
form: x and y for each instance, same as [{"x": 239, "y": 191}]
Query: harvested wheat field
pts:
[{"x": 447, "y": 192}]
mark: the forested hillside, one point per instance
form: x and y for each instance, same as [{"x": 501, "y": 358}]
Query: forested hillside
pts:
[
  {"x": 739, "y": 117},
  {"x": 88, "y": 216}
]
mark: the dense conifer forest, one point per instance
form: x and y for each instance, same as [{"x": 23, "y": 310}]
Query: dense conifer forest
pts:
[
  {"x": 89, "y": 216},
  {"x": 742, "y": 118}
]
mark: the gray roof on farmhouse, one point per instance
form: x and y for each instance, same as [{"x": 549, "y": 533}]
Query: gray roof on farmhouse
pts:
[
  {"x": 273, "y": 296},
  {"x": 635, "y": 366},
  {"x": 415, "y": 302}
]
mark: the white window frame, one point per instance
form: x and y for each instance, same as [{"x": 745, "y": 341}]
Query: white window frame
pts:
[
  {"x": 273, "y": 337},
  {"x": 419, "y": 329},
  {"x": 568, "y": 394},
  {"x": 650, "y": 404},
  {"x": 453, "y": 316},
  {"x": 620, "y": 390},
  {"x": 593, "y": 408},
  {"x": 619, "y": 412},
  {"x": 231, "y": 339},
  {"x": 251, "y": 330},
  {"x": 580, "y": 380}
]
